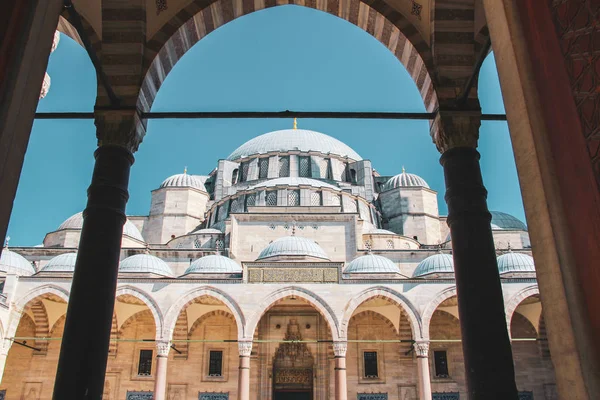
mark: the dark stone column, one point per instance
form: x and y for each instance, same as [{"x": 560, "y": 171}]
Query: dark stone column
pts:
[
  {"x": 84, "y": 351},
  {"x": 486, "y": 344}
]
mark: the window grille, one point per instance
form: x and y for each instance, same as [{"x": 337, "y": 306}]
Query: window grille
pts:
[
  {"x": 315, "y": 198},
  {"x": 336, "y": 200},
  {"x": 245, "y": 167},
  {"x": 223, "y": 211},
  {"x": 197, "y": 244},
  {"x": 237, "y": 205},
  {"x": 145, "y": 363},
  {"x": 441, "y": 363},
  {"x": 525, "y": 395},
  {"x": 293, "y": 198},
  {"x": 250, "y": 200},
  {"x": 304, "y": 170},
  {"x": 215, "y": 363},
  {"x": 263, "y": 167},
  {"x": 213, "y": 396},
  {"x": 284, "y": 167},
  {"x": 219, "y": 245},
  {"x": 272, "y": 198},
  {"x": 372, "y": 396},
  {"x": 446, "y": 396},
  {"x": 370, "y": 358},
  {"x": 139, "y": 395},
  {"x": 390, "y": 244}
]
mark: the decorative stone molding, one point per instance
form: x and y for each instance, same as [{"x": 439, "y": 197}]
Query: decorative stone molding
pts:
[
  {"x": 245, "y": 348},
  {"x": 516, "y": 300},
  {"x": 433, "y": 305},
  {"x": 340, "y": 348},
  {"x": 421, "y": 349},
  {"x": 163, "y": 347},
  {"x": 122, "y": 127},
  {"x": 148, "y": 301},
  {"x": 455, "y": 128}
]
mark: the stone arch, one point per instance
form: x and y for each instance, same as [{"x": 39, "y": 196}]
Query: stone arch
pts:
[
  {"x": 433, "y": 305},
  {"x": 206, "y": 316},
  {"x": 200, "y": 17},
  {"x": 386, "y": 294},
  {"x": 181, "y": 304},
  {"x": 65, "y": 26},
  {"x": 42, "y": 326},
  {"x": 181, "y": 333},
  {"x": 372, "y": 313},
  {"x": 305, "y": 295},
  {"x": 513, "y": 303},
  {"x": 134, "y": 318},
  {"x": 148, "y": 301}
]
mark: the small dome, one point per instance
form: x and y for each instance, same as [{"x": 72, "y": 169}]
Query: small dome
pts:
[
  {"x": 145, "y": 264},
  {"x": 214, "y": 264},
  {"x": 404, "y": 180},
  {"x": 515, "y": 262},
  {"x": 293, "y": 140},
  {"x": 380, "y": 232},
  {"x": 183, "y": 180},
  {"x": 207, "y": 231},
  {"x": 13, "y": 263},
  {"x": 76, "y": 222},
  {"x": 372, "y": 264},
  {"x": 293, "y": 246},
  {"x": 294, "y": 182},
  {"x": 435, "y": 264},
  {"x": 504, "y": 221},
  {"x": 62, "y": 263}
]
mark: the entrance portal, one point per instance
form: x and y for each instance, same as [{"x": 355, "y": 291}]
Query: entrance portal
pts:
[{"x": 293, "y": 367}]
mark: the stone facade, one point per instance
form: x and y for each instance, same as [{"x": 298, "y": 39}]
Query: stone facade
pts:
[{"x": 292, "y": 309}]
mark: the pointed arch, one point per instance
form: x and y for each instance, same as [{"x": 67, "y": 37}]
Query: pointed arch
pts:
[
  {"x": 374, "y": 314},
  {"x": 168, "y": 45},
  {"x": 389, "y": 295},
  {"x": 148, "y": 301},
  {"x": 306, "y": 295},
  {"x": 515, "y": 300},
  {"x": 181, "y": 333},
  {"x": 433, "y": 305},
  {"x": 184, "y": 301}
]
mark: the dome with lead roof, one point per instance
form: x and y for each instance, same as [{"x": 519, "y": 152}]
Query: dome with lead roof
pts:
[
  {"x": 372, "y": 264},
  {"x": 293, "y": 181},
  {"x": 214, "y": 264},
  {"x": 404, "y": 180},
  {"x": 293, "y": 246},
  {"x": 504, "y": 221},
  {"x": 76, "y": 222},
  {"x": 287, "y": 140},
  {"x": 145, "y": 264},
  {"x": 61, "y": 263},
  {"x": 435, "y": 264},
  {"x": 13, "y": 263},
  {"x": 183, "y": 180},
  {"x": 515, "y": 262}
]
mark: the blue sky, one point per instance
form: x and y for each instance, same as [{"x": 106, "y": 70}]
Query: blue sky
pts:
[{"x": 283, "y": 58}]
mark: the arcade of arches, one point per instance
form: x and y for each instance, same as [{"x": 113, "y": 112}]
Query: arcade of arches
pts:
[{"x": 383, "y": 322}]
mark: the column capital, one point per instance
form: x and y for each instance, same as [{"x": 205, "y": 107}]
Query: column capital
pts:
[
  {"x": 340, "y": 348},
  {"x": 122, "y": 127},
  {"x": 163, "y": 347},
  {"x": 421, "y": 349},
  {"x": 455, "y": 128},
  {"x": 245, "y": 348}
]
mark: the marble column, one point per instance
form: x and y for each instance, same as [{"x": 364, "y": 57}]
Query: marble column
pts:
[
  {"x": 162, "y": 359},
  {"x": 245, "y": 349},
  {"x": 422, "y": 352},
  {"x": 341, "y": 387},
  {"x": 487, "y": 351},
  {"x": 85, "y": 343}
]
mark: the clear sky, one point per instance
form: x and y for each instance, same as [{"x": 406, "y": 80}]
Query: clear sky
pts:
[{"x": 283, "y": 58}]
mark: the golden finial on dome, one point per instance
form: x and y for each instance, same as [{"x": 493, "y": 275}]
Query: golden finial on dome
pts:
[
  {"x": 185, "y": 170},
  {"x": 295, "y": 123},
  {"x": 403, "y": 170}
]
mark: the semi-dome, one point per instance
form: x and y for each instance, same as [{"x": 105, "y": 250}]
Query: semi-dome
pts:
[
  {"x": 515, "y": 262},
  {"x": 381, "y": 232},
  {"x": 293, "y": 246},
  {"x": 76, "y": 222},
  {"x": 435, "y": 264},
  {"x": 207, "y": 231},
  {"x": 293, "y": 140},
  {"x": 292, "y": 181},
  {"x": 145, "y": 264},
  {"x": 184, "y": 180},
  {"x": 13, "y": 263},
  {"x": 372, "y": 264},
  {"x": 504, "y": 221},
  {"x": 404, "y": 180},
  {"x": 61, "y": 263},
  {"x": 214, "y": 264}
]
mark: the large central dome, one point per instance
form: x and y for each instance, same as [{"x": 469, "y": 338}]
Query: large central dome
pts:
[{"x": 293, "y": 139}]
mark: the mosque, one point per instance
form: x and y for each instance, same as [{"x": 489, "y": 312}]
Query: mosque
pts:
[{"x": 293, "y": 268}]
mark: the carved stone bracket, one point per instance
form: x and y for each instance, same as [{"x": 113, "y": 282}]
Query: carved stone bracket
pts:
[
  {"x": 122, "y": 127},
  {"x": 245, "y": 348},
  {"x": 421, "y": 349},
  {"x": 455, "y": 128},
  {"x": 339, "y": 349},
  {"x": 162, "y": 348}
]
